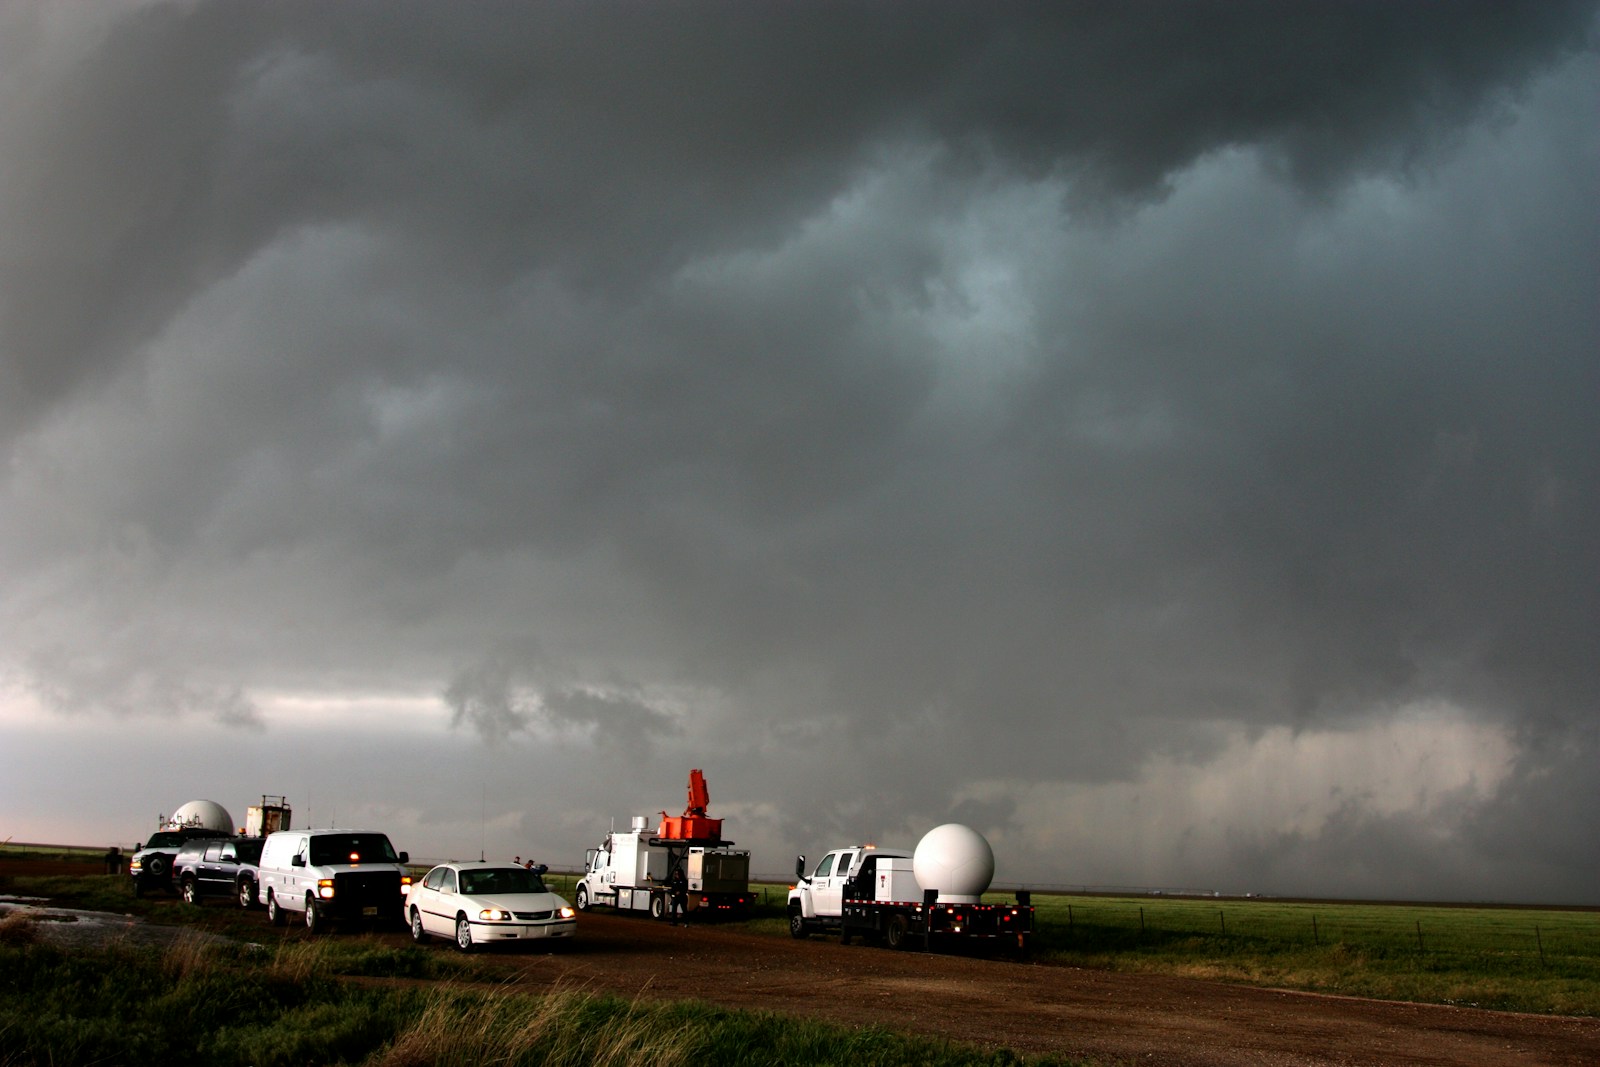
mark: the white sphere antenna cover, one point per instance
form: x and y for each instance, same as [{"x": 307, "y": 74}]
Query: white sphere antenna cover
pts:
[
  {"x": 206, "y": 814},
  {"x": 956, "y": 860}
]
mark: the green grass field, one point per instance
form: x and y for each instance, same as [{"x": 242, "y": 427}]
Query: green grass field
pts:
[{"x": 1508, "y": 958}]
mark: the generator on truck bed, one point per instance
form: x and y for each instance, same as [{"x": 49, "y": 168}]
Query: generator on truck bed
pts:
[
  {"x": 904, "y": 898},
  {"x": 634, "y": 870}
]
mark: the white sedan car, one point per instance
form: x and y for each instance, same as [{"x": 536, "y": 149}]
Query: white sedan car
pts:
[{"x": 484, "y": 903}]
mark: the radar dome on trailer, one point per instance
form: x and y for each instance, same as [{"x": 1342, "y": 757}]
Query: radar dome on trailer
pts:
[
  {"x": 205, "y": 814},
  {"x": 956, "y": 860}
]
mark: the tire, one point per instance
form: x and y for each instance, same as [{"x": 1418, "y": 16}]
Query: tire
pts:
[
  {"x": 418, "y": 934},
  {"x": 274, "y": 910},
  {"x": 314, "y": 921},
  {"x": 797, "y": 925},
  {"x": 191, "y": 892},
  {"x": 658, "y": 907},
  {"x": 463, "y": 934},
  {"x": 898, "y": 932},
  {"x": 156, "y": 866},
  {"x": 580, "y": 897},
  {"x": 247, "y": 893}
]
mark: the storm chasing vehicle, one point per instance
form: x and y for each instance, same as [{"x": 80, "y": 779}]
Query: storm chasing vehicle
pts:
[
  {"x": 903, "y": 898},
  {"x": 332, "y": 876},
  {"x": 635, "y": 870}
]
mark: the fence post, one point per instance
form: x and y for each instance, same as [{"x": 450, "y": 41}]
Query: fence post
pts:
[
  {"x": 1315, "y": 939},
  {"x": 1539, "y": 938},
  {"x": 1419, "y": 937},
  {"x": 1069, "y": 918},
  {"x": 1141, "y": 920}
]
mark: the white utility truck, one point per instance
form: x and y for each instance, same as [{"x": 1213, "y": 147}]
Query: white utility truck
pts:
[
  {"x": 934, "y": 893},
  {"x": 633, "y": 870}
]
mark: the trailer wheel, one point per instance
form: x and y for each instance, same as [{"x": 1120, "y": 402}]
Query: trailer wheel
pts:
[
  {"x": 797, "y": 925},
  {"x": 898, "y": 931},
  {"x": 580, "y": 897},
  {"x": 658, "y": 907}
]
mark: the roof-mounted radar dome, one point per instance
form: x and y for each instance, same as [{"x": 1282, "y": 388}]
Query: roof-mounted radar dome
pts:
[
  {"x": 956, "y": 860},
  {"x": 204, "y": 815}
]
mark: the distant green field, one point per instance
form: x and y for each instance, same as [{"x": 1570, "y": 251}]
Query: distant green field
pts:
[
  {"x": 1508, "y": 958},
  {"x": 25, "y": 851}
]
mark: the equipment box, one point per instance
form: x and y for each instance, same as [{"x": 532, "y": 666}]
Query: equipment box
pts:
[{"x": 895, "y": 881}]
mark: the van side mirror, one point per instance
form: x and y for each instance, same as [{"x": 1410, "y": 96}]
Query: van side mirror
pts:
[
  {"x": 298, "y": 861},
  {"x": 800, "y": 867}
]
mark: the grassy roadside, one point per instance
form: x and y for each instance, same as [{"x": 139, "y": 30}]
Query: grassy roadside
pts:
[{"x": 230, "y": 1003}]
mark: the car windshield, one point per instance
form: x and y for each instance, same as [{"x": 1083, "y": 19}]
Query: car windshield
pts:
[
  {"x": 501, "y": 880},
  {"x": 329, "y": 849}
]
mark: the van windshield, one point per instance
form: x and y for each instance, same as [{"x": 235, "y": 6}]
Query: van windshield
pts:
[{"x": 329, "y": 849}]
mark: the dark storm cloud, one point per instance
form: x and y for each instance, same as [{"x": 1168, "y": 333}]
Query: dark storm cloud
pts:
[
  {"x": 994, "y": 411},
  {"x": 606, "y": 140}
]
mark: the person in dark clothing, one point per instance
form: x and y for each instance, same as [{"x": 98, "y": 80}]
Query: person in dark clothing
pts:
[{"x": 678, "y": 895}]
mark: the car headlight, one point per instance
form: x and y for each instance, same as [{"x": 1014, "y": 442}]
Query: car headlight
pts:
[
  {"x": 325, "y": 888},
  {"x": 566, "y": 913},
  {"x": 494, "y": 915}
]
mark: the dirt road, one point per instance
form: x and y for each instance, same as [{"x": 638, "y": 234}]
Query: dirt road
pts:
[{"x": 1028, "y": 1007}]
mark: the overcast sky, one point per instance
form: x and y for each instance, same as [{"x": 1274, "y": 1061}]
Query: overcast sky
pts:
[{"x": 1160, "y": 435}]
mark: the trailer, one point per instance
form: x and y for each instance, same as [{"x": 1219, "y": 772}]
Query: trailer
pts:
[
  {"x": 635, "y": 869},
  {"x": 923, "y": 899}
]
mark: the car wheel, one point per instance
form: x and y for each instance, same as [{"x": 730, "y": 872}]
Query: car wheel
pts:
[
  {"x": 658, "y": 907},
  {"x": 156, "y": 866},
  {"x": 314, "y": 922},
  {"x": 247, "y": 893},
  {"x": 797, "y": 925},
  {"x": 463, "y": 934},
  {"x": 580, "y": 898},
  {"x": 898, "y": 931},
  {"x": 191, "y": 892},
  {"x": 418, "y": 934},
  {"x": 274, "y": 911}
]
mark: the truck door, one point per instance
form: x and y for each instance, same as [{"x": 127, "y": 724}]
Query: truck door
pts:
[{"x": 827, "y": 885}]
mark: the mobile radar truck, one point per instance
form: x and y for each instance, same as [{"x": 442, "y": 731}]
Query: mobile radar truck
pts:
[
  {"x": 904, "y": 898},
  {"x": 634, "y": 870}
]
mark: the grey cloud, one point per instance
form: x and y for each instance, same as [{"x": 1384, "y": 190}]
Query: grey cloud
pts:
[
  {"x": 483, "y": 698},
  {"x": 1007, "y": 394}
]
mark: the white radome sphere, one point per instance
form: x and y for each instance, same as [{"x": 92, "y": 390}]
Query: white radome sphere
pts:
[
  {"x": 956, "y": 860},
  {"x": 206, "y": 814}
]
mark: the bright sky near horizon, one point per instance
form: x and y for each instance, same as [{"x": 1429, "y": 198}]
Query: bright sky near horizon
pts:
[{"x": 1160, "y": 435}]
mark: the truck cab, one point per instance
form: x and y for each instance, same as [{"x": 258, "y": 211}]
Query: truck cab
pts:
[{"x": 816, "y": 901}]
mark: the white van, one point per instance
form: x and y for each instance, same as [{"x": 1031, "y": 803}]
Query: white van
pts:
[{"x": 332, "y": 875}]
